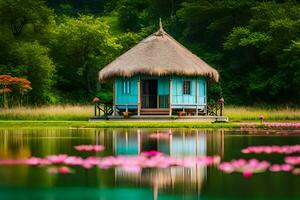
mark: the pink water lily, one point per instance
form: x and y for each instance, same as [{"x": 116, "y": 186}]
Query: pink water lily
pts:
[
  {"x": 96, "y": 148},
  {"x": 57, "y": 159},
  {"x": 292, "y": 160},
  {"x": 286, "y": 149},
  {"x": 280, "y": 168},
  {"x": 64, "y": 170},
  {"x": 151, "y": 153},
  {"x": 159, "y": 135},
  {"x": 153, "y": 159},
  {"x": 132, "y": 168},
  {"x": 246, "y": 167},
  {"x": 272, "y": 124},
  {"x": 247, "y": 174}
]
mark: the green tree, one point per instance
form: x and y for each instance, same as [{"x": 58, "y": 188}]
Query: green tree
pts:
[
  {"x": 17, "y": 14},
  {"x": 81, "y": 47},
  {"x": 32, "y": 61},
  {"x": 132, "y": 14},
  {"x": 258, "y": 48}
]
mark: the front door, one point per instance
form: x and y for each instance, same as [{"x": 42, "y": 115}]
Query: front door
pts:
[{"x": 149, "y": 93}]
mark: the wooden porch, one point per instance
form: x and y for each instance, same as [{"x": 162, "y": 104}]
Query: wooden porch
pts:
[
  {"x": 209, "y": 113},
  {"x": 161, "y": 118}
]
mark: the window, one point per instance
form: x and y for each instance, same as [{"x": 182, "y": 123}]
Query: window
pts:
[
  {"x": 126, "y": 87},
  {"x": 187, "y": 87}
]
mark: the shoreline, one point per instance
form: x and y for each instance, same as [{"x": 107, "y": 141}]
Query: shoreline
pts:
[
  {"x": 124, "y": 124},
  {"x": 112, "y": 124}
]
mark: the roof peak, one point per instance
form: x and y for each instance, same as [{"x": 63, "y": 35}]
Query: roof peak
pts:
[
  {"x": 160, "y": 25},
  {"x": 161, "y": 30}
]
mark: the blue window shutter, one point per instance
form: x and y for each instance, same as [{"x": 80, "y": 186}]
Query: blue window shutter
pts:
[{"x": 126, "y": 87}]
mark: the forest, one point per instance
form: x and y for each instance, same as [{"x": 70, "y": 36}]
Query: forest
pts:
[{"x": 60, "y": 45}]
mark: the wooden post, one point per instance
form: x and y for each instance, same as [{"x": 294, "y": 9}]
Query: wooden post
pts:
[
  {"x": 205, "y": 95},
  {"x": 114, "y": 98},
  {"x": 196, "y": 96},
  {"x": 170, "y": 98},
  {"x": 221, "y": 111},
  {"x": 139, "y": 97}
]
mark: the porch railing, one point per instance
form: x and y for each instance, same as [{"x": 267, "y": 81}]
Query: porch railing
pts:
[
  {"x": 211, "y": 109},
  {"x": 107, "y": 109},
  {"x": 103, "y": 109},
  {"x": 161, "y": 101}
]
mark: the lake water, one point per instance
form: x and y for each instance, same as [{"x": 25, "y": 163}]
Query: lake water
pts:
[{"x": 200, "y": 182}]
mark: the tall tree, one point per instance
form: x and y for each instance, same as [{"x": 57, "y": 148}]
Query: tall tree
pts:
[
  {"x": 81, "y": 47},
  {"x": 31, "y": 60},
  {"x": 16, "y": 14}
]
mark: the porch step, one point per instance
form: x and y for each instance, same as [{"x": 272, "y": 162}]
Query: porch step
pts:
[{"x": 154, "y": 111}]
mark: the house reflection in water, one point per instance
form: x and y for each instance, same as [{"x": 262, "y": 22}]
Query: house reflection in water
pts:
[{"x": 174, "y": 142}]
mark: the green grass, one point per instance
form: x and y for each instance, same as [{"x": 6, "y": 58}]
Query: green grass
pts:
[
  {"x": 83, "y": 113},
  {"x": 51, "y": 113},
  {"x": 269, "y": 114},
  {"x": 110, "y": 124}
]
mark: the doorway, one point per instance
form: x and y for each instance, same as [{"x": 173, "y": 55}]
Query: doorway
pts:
[{"x": 149, "y": 90}]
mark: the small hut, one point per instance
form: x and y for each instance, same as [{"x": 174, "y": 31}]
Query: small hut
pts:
[{"x": 159, "y": 76}]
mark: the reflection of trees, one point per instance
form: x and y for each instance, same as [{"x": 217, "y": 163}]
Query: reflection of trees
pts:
[
  {"x": 13, "y": 145},
  {"x": 24, "y": 143}
]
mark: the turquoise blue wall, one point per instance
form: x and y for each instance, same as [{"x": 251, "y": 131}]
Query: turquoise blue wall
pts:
[
  {"x": 202, "y": 88},
  {"x": 132, "y": 97},
  {"x": 177, "y": 91},
  {"x": 163, "y": 89},
  {"x": 163, "y": 86}
]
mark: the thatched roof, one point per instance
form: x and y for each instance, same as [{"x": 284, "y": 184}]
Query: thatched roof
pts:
[{"x": 158, "y": 55}]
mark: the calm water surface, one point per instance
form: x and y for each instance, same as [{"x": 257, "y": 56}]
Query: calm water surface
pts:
[{"x": 27, "y": 182}]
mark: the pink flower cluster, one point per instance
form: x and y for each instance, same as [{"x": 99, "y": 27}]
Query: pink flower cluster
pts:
[
  {"x": 292, "y": 160},
  {"x": 159, "y": 135},
  {"x": 282, "y": 124},
  {"x": 150, "y": 159},
  {"x": 61, "y": 163},
  {"x": 272, "y": 124},
  {"x": 89, "y": 148},
  {"x": 59, "y": 170},
  {"x": 151, "y": 153},
  {"x": 247, "y": 167},
  {"x": 281, "y": 167},
  {"x": 287, "y": 149}
]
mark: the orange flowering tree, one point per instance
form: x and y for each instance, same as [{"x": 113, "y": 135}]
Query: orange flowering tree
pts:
[{"x": 14, "y": 89}]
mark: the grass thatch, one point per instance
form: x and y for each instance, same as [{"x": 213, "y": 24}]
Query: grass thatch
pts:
[{"x": 158, "y": 55}]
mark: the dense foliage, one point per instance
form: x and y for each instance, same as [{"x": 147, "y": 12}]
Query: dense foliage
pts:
[{"x": 60, "y": 45}]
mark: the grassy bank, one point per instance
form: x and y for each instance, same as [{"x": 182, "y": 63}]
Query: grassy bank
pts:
[
  {"x": 51, "y": 113},
  {"x": 84, "y": 124},
  {"x": 253, "y": 114},
  {"x": 82, "y": 113}
]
